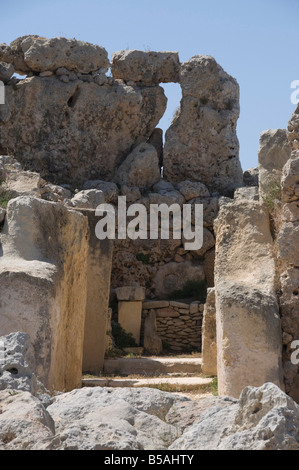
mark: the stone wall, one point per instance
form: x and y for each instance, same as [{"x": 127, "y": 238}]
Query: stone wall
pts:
[{"x": 178, "y": 324}]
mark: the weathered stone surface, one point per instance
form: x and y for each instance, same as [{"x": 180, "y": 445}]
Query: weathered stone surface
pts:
[
  {"x": 76, "y": 131},
  {"x": 293, "y": 130},
  {"x": 192, "y": 190},
  {"x": 172, "y": 276},
  {"x": 24, "y": 422},
  {"x": 140, "y": 168},
  {"x": 251, "y": 177},
  {"x": 249, "y": 193},
  {"x": 210, "y": 210},
  {"x": 249, "y": 341},
  {"x": 99, "y": 265},
  {"x": 208, "y": 243},
  {"x": 209, "y": 262},
  {"x": 114, "y": 419},
  {"x": 41, "y": 54},
  {"x": 88, "y": 199},
  {"x": 6, "y": 72},
  {"x": 156, "y": 140},
  {"x": 149, "y": 304},
  {"x": 264, "y": 418},
  {"x": 150, "y": 68},
  {"x": 130, "y": 293},
  {"x": 43, "y": 275},
  {"x": 17, "y": 365},
  {"x": 129, "y": 317},
  {"x": 274, "y": 152},
  {"x": 209, "y": 336},
  {"x": 109, "y": 189},
  {"x": 152, "y": 341},
  {"x": 290, "y": 179},
  {"x": 201, "y": 144},
  {"x": 22, "y": 183},
  {"x": 54, "y": 192}
]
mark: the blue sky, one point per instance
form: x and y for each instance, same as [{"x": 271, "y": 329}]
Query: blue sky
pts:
[{"x": 256, "y": 42}]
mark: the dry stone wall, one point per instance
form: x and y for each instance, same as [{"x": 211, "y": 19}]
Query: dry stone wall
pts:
[{"x": 178, "y": 324}]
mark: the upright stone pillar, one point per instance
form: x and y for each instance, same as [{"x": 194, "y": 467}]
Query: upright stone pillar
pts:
[
  {"x": 130, "y": 309},
  {"x": 249, "y": 339},
  {"x": 209, "y": 342},
  {"x": 99, "y": 264}
]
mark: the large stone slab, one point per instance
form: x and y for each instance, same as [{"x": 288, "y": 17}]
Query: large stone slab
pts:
[
  {"x": 209, "y": 335},
  {"x": 249, "y": 338},
  {"x": 99, "y": 263},
  {"x": 201, "y": 144},
  {"x": 43, "y": 274},
  {"x": 77, "y": 131}
]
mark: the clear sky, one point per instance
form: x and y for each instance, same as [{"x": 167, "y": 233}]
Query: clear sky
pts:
[{"x": 255, "y": 41}]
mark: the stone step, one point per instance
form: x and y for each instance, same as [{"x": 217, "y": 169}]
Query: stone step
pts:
[
  {"x": 151, "y": 366},
  {"x": 186, "y": 383}
]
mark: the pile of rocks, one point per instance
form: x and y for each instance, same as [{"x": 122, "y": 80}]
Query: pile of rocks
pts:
[{"x": 178, "y": 324}]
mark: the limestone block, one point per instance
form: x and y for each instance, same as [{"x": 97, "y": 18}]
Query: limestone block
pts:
[
  {"x": 274, "y": 152},
  {"x": 201, "y": 144},
  {"x": 99, "y": 264},
  {"x": 23, "y": 183},
  {"x": 43, "y": 274},
  {"x": 152, "y": 341},
  {"x": 146, "y": 67},
  {"x": 129, "y": 317},
  {"x": 140, "y": 168},
  {"x": 249, "y": 338},
  {"x": 77, "y": 131},
  {"x": 209, "y": 344}
]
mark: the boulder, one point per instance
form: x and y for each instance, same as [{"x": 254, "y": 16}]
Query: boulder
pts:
[
  {"x": 149, "y": 68},
  {"x": 6, "y": 72},
  {"x": 140, "y": 168},
  {"x": 264, "y": 418},
  {"x": 251, "y": 177},
  {"x": 88, "y": 199},
  {"x": 274, "y": 152},
  {"x": 201, "y": 144},
  {"x": 192, "y": 190},
  {"x": 114, "y": 419},
  {"x": 37, "y": 54},
  {"x": 24, "y": 422},
  {"x": 170, "y": 277},
  {"x": 76, "y": 131},
  {"x": 109, "y": 189},
  {"x": 22, "y": 183},
  {"x": 290, "y": 179}
]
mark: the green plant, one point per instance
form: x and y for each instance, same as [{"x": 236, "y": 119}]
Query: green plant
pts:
[
  {"x": 121, "y": 337},
  {"x": 144, "y": 258},
  {"x": 193, "y": 289},
  {"x": 5, "y": 197},
  {"x": 271, "y": 190},
  {"x": 214, "y": 387}
]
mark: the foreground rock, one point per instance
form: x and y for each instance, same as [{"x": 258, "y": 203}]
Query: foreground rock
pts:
[
  {"x": 17, "y": 365},
  {"x": 25, "y": 424},
  {"x": 264, "y": 418},
  {"x": 114, "y": 419}
]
